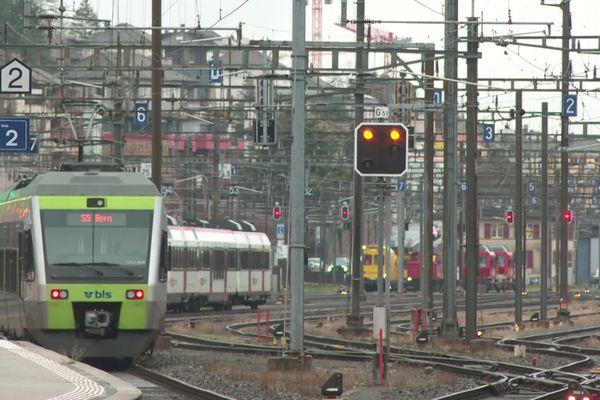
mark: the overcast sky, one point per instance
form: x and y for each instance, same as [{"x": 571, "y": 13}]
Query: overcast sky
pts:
[{"x": 273, "y": 19}]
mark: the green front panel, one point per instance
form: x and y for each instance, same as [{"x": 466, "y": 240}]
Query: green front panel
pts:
[
  {"x": 133, "y": 313},
  {"x": 112, "y": 202}
]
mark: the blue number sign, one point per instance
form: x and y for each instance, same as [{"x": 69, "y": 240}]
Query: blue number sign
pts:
[
  {"x": 215, "y": 72},
  {"x": 570, "y": 105},
  {"x": 400, "y": 186},
  {"x": 489, "y": 133},
  {"x": 141, "y": 114},
  {"x": 437, "y": 97},
  {"x": 14, "y": 135}
]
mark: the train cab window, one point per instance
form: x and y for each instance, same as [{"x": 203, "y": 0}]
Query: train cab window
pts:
[
  {"x": 96, "y": 244},
  {"x": 367, "y": 259}
]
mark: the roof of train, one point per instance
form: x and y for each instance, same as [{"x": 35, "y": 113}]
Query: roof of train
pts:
[
  {"x": 217, "y": 238},
  {"x": 83, "y": 183}
]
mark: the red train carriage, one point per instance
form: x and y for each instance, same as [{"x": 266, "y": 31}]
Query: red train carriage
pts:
[
  {"x": 412, "y": 271},
  {"x": 486, "y": 268},
  {"x": 505, "y": 267}
]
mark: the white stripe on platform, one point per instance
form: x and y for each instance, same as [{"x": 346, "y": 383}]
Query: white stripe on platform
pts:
[{"x": 85, "y": 388}]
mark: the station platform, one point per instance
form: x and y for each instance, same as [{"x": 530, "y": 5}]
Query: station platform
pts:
[{"x": 30, "y": 372}]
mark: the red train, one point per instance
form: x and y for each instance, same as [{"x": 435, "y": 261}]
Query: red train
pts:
[
  {"x": 412, "y": 272},
  {"x": 495, "y": 269}
]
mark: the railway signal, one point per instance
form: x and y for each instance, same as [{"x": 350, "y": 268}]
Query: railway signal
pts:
[
  {"x": 345, "y": 213},
  {"x": 568, "y": 216},
  {"x": 276, "y": 213},
  {"x": 380, "y": 149},
  {"x": 510, "y": 216}
]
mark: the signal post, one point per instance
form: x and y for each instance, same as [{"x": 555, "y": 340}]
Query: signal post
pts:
[{"x": 380, "y": 150}]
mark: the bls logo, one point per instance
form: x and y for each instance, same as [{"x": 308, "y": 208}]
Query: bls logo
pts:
[{"x": 98, "y": 294}]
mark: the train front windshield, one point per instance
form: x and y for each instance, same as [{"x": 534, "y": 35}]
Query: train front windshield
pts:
[{"x": 96, "y": 244}]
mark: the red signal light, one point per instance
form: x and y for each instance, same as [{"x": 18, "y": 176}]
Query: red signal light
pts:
[
  {"x": 139, "y": 294},
  {"x": 395, "y": 135},
  {"x": 510, "y": 216},
  {"x": 55, "y": 294},
  {"x": 344, "y": 213},
  {"x": 276, "y": 213},
  {"x": 568, "y": 216}
]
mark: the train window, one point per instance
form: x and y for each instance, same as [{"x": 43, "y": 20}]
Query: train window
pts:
[
  {"x": 26, "y": 255},
  {"x": 99, "y": 243},
  {"x": 265, "y": 261},
  {"x": 243, "y": 259},
  {"x": 232, "y": 261},
  {"x": 367, "y": 259}
]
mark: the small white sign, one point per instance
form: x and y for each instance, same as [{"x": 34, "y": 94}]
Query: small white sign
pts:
[
  {"x": 146, "y": 169},
  {"x": 382, "y": 112},
  {"x": 282, "y": 251},
  {"x": 225, "y": 171},
  {"x": 280, "y": 231},
  {"x": 15, "y": 77}
]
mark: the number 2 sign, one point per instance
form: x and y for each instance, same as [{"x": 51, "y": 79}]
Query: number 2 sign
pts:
[
  {"x": 15, "y": 77},
  {"x": 570, "y": 105}
]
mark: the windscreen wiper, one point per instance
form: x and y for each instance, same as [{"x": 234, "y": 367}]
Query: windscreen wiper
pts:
[
  {"x": 74, "y": 264},
  {"x": 113, "y": 265}
]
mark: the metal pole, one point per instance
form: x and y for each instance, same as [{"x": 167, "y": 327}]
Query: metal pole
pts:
[
  {"x": 357, "y": 187},
  {"x": 472, "y": 239},
  {"x": 381, "y": 184},
  {"x": 296, "y": 208},
  {"x": 400, "y": 214},
  {"x": 450, "y": 322},
  {"x": 518, "y": 220},
  {"x": 564, "y": 160},
  {"x": 156, "y": 93},
  {"x": 400, "y": 223},
  {"x": 388, "y": 273},
  {"x": 216, "y": 195},
  {"x": 427, "y": 258}
]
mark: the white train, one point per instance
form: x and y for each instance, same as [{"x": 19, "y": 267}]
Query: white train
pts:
[{"x": 217, "y": 268}]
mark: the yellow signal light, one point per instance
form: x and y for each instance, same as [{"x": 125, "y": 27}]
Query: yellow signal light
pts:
[
  {"x": 395, "y": 135},
  {"x": 368, "y": 134}
]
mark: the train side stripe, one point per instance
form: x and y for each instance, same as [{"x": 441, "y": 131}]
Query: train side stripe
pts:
[{"x": 85, "y": 388}]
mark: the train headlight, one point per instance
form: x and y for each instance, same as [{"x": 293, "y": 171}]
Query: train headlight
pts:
[
  {"x": 59, "y": 294},
  {"x": 135, "y": 294},
  {"x": 409, "y": 279}
]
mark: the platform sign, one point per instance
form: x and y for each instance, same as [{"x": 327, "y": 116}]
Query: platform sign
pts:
[
  {"x": 14, "y": 135},
  {"x": 15, "y": 77},
  {"x": 34, "y": 145},
  {"x": 570, "y": 105},
  {"x": 489, "y": 133},
  {"x": 400, "y": 186},
  {"x": 215, "y": 72},
  {"x": 437, "y": 98},
  {"x": 280, "y": 231},
  {"x": 141, "y": 114}
]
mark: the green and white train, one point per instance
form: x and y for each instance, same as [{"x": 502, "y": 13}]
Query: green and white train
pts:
[{"x": 83, "y": 261}]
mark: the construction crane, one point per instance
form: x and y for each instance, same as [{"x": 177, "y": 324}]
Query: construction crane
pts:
[{"x": 317, "y": 30}]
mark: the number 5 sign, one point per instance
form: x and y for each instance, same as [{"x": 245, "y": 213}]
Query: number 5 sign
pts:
[{"x": 141, "y": 114}]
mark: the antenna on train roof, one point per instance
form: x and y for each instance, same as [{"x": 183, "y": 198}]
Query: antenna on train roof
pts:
[{"x": 91, "y": 167}]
